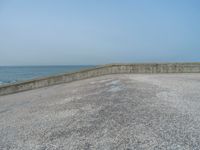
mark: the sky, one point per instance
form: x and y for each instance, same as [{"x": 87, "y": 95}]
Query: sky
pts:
[{"x": 92, "y": 32}]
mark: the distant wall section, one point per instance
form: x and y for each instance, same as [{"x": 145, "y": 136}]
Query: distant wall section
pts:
[{"x": 100, "y": 71}]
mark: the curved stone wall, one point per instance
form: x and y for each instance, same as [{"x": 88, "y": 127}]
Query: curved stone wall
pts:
[{"x": 99, "y": 71}]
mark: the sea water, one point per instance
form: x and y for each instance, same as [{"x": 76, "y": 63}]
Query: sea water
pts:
[{"x": 12, "y": 74}]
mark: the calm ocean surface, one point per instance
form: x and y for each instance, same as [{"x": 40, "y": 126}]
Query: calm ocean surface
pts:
[{"x": 13, "y": 74}]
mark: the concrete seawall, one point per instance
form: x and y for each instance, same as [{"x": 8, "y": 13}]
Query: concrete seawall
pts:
[{"x": 99, "y": 71}]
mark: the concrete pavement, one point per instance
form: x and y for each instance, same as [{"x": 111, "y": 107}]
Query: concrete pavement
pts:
[{"x": 126, "y": 111}]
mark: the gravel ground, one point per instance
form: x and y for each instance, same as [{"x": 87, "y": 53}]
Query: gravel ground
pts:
[{"x": 129, "y": 111}]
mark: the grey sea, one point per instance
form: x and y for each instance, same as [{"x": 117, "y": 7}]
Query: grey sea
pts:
[{"x": 12, "y": 74}]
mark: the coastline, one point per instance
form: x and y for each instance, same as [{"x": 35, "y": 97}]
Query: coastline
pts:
[{"x": 15, "y": 74}]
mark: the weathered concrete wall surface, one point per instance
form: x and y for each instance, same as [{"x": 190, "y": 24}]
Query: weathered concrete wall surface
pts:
[{"x": 99, "y": 71}]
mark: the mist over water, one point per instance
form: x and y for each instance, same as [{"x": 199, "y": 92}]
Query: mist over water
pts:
[{"x": 13, "y": 74}]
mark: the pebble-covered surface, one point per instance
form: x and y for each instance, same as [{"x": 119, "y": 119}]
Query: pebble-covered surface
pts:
[{"x": 127, "y": 111}]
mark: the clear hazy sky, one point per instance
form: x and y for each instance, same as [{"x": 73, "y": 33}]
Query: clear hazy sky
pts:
[{"x": 74, "y": 32}]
